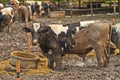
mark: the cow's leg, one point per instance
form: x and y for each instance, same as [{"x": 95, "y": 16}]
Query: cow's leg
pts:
[
  {"x": 9, "y": 26},
  {"x": 58, "y": 62},
  {"x": 106, "y": 56},
  {"x": 51, "y": 62},
  {"x": 99, "y": 52},
  {"x": 26, "y": 17},
  {"x": 84, "y": 59}
]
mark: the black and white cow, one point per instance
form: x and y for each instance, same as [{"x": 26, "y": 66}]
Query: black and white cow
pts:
[
  {"x": 41, "y": 8},
  {"x": 46, "y": 7},
  {"x": 47, "y": 40},
  {"x": 6, "y": 17},
  {"x": 50, "y": 38}
]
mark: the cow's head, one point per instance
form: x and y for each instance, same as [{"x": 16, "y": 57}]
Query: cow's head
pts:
[
  {"x": 36, "y": 31},
  {"x": 114, "y": 37},
  {"x": 37, "y": 7},
  {"x": 72, "y": 27},
  {"x": 5, "y": 20}
]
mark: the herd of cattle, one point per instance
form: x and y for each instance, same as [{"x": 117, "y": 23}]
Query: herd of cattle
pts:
[
  {"x": 16, "y": 11},
  {"x": 56, "y": 40}
]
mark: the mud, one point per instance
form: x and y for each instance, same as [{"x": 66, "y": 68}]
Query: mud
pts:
[{"x": 74, "y": 68}]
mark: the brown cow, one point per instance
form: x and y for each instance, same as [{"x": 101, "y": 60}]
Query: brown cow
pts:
[
  {"x": 24, "y": 13},
  {"x": 94, "y": 36}
]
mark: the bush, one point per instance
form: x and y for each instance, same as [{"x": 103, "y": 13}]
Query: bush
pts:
[{"x": 4, "y": 1}]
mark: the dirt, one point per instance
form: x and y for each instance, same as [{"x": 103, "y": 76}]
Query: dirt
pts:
[{"x": 74, "y": 68}]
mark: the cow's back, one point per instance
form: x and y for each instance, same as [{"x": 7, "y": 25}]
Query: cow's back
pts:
[{"x": 92, "y": 34}]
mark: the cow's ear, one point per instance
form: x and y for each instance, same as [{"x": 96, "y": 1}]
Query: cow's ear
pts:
[
  {"x": 27, "y": 29},
  {"x": 65, "y": 25}
]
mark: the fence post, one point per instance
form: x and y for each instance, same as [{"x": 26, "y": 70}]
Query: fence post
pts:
[
  {"x": 18, "y": 70},
  {"x": 91, "y": 7},
  {"x": 28, "y": 40},
  {"x": 114, "y": 18},
  {"x": 71, "y": 11}
]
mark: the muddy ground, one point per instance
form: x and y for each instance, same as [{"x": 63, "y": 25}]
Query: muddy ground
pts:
[{"x": 17, "y": 40}]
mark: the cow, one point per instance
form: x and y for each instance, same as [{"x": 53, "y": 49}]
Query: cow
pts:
[
  {"x": 72, "y": 29},
  {"x": 15, "y": 3},
  {"x": 6, "y": 17},
  {"x": 36, "y": 7},
  {"x": 47, "y": 40},
  {"x": 94, "y": 36},
  {"x": 1, "y": 6},
  {"x": 46, "y": 7},
  {"x": 24, "y": 13},
  {"x": 41, "y": 8}
]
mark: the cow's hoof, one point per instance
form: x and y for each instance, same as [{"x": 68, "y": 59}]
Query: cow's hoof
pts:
[
  {"x": 106, "y": 64},
  {"x": 101, "y": 65},
  {"x": 58, "y": 68},
  {"x": 50, "y": 64}
]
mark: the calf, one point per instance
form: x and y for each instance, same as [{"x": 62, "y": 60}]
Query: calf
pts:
[
  {"x": 94, "y": 36},
  {"x": 47, "y": 40}
]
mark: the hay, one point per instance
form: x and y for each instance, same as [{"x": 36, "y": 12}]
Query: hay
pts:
[
  {"x": 3, "y": 65},
  {"x": 41, "y": 69},
  {"x": 116, "y": 51}
]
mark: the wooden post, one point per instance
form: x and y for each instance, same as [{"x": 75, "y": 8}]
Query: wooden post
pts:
[
  {"x": 114, "y": 17},
  {"x": 71, "y": 12},
  {"x": 91, "y": 7},
  {"x": 18, "y": 70},
  {"x": 114, "y": 9},
  {"x": 79, "y": 4},
  {"x": 28, "y": 40},
  {"x": 119, "y": 6}
]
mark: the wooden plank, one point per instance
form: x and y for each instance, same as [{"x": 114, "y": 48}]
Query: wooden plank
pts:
[{"x": 56, "y": 14}]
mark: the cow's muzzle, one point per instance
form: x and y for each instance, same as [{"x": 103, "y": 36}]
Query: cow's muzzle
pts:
[{"x": 35, "y": 41}]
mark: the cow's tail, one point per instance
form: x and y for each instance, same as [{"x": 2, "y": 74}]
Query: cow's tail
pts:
[
  {"x": 107, "y": 50},
  {"x": 109, "y": 39}
]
